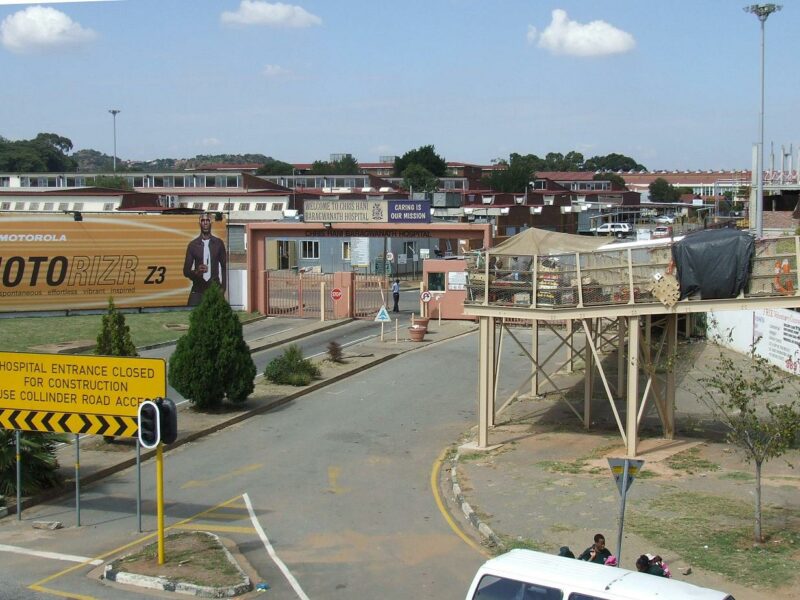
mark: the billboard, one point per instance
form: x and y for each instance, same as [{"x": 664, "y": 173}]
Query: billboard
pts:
[
  {"x": 52, "y": 262},
  {"x": 367, "y": 211}
]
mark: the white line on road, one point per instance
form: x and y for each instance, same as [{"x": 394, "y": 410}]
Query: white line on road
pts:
[
  {"x": 284, "y": 569},
  {"x": 53, "y": 555}
]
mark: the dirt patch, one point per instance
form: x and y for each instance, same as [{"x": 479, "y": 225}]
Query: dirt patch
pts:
[{"x": 194, "y": 557}]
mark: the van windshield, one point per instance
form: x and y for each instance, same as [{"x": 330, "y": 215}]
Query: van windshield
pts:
[{"x": 492, "y": 587}]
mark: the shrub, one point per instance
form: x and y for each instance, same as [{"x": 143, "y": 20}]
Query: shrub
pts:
[
  {"x": 39, "y": 462},
  {"x": 212, "y": 361},
  {"x": 114, "y": 338},
  {"x": 291, "y": 368},
  {"x": 335, "y": 351}
]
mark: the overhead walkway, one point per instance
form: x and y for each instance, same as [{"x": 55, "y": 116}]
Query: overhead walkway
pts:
[{"x": 600, "y": 299}]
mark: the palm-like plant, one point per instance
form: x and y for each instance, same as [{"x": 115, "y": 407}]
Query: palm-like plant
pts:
[{"x": 39, "y": 462}]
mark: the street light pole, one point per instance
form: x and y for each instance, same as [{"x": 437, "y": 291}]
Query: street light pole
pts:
[
  {"x": 114, "y": 112},
  {"x": 762, "y": 11}
]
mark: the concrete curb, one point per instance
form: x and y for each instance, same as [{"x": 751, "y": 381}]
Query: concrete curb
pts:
[
  {"x": 484, "y": 530},
  {"x": 167, "y": 585}
]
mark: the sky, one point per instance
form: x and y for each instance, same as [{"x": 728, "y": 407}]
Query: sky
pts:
[{"x": 674, "y": 85}]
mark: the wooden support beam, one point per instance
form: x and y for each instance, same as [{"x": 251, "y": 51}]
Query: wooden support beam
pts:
[
  {"x": 672, "y": 349},
  {"x": 535, "y": 361},
  {"x": 588, "y": 377},
  {"x": 631, "y": 430},
  {"x": 484, "y": 367}
]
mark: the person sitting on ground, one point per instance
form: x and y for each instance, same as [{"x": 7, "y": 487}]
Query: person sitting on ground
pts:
[
  {"x": 597, "y": 552},
  {"x": 643, "y": 565},
  {"x": 565, "y": 552},
  {"x": 659, "y": 562}
]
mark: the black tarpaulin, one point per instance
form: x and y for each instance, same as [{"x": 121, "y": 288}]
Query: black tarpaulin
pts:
[{"x": 715, "y": 263}]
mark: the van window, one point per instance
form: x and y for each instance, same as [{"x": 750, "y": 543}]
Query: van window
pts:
[{"x": 492, "y": 587}]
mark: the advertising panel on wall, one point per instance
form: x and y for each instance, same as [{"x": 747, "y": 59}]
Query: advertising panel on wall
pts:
[
  {"x": 776, "y": 333},
  {"x": 53, "y": 262}
]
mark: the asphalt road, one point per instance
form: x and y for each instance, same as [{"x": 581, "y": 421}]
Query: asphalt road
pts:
[{"x": 330, "y": 496}]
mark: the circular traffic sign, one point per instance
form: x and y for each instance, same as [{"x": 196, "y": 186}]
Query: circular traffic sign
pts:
[
  {"x": 390, "y": 256},
  {"x": 336, "y": 294},
  {"x": 425, "y": 296}
]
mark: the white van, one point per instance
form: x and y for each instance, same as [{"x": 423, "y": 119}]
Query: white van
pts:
[{"x": 529, "y": 575}]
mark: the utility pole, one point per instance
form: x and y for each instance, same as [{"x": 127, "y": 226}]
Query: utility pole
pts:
[
  {"x": 114, "y": 112},
  {"x": 762, "y": 11}
]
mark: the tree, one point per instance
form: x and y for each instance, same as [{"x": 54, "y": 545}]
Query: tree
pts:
[
  {"x": 92, "y": 161},
  {"x": 39, "y": 461},
  {"x": 761, "y": 429},
  {"x": 45, "y": 153},
  {"x": 663, "y": 191},
  {"x": 519, "y": 171},
  {"x": 114, "y": 338},
  {"x": 274, "y": 167},
  {"x": 212, "y": 361},
  {"x": 612, "y": 162},
  {"x": 612, "y": 177},
  {"x": 416, "y": 177},
  {"x": 346, "y": 165},
  {"x": 115, "y": 182},
  {"x": 424, "y": 156}
]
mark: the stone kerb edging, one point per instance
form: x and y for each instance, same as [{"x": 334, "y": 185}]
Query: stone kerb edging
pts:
[
  {"x": 485, "y": 531},
  {"x": 167, "y": 585}
]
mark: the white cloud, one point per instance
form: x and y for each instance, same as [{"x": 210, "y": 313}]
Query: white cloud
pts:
[
  {"x": 39, "y": 29},
  {"x": 258, "y": 12},
  {"x": 276, "y": 71},
  {"x": 597, "y": 38},
  {"x": 14, "y": 2},
  {"x": 210, "y": 142}
]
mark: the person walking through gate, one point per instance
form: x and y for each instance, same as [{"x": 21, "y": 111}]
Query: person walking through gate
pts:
[{"x": 396, "y": 295}]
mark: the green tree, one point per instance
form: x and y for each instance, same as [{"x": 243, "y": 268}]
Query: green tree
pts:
[
  {"x": 347, "y": 165},
  {"x": 114, "y": 182},
  {"x": 114, "y": 338},
  {"x": 39, "y": 461},
  {"x": 92, "y": 161},
  {"x": 663, "y": 191},
  {"x": 212, "y": 361},
  {"x": 274, "y": 167},
  {"x": 759, "y": 428},
  {"x": 45, "y": 153},
  {"x": 612, "y": 177},
  {"x": 518, "y": 172},
  {"x": 426, "y": 157},
  {"x": 612, "y": 162},
  {"x": 418, "y": 178}
]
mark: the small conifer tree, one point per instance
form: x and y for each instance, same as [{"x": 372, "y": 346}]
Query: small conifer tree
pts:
[
  {"x": 115, "y": 336},
  {"x": 212, "y": 361}
]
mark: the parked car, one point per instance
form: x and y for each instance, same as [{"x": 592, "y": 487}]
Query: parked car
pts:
[
  {"x": 619, "y": 230},
  {"x": 662, "y": 231},
  {"x": 664, "y": 219}
]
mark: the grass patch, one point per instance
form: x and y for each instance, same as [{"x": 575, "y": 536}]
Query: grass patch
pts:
[
  {"x": 21, "y": 334},
  {"x": 560, "y": 466},
  {"x": 510, "y": 543},
  {"x": 470, "y": 456},
  {"x": 691, "y": 462},
  {"x": 738, "y": 476},
  {"x": 189, "y": 557},
  {"x": 645, "y": 474},
  {"x": 716, "y": 534}
]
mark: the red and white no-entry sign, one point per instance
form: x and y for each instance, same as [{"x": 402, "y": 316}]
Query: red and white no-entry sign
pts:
[
  {"x": 336, "y": 294},
  {"x": 425, "y": 296}
]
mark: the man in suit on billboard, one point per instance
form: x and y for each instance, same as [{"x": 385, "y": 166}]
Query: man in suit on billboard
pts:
[{"x": 206, "y": 261}]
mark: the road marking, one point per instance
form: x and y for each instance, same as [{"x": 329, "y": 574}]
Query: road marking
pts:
[
  {"x": 284, "y": 569},
  {"x": 435, "y": 489},
  {"x": 192, "y": 483},
  {"x": 333, "y": 480},
  {"x": 369, "y": 337},
  {"x": 53, "y": 555},
  {"x": 211, "y": 527},
  {"x": 39, "y": 585}
]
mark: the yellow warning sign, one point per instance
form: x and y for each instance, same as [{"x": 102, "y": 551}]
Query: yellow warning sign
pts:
[
  {"x": 28, "y": 420},
  {"x": 80, "y": 385}
]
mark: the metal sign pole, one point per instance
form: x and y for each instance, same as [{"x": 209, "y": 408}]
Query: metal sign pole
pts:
[
  {"x": 139, "y": 485},
  {"x": 622, "y": 511},
  {"x": 78, "y": 479},
  {"x": 19, "y": 478},
  {"x": 160, "y": 501}
]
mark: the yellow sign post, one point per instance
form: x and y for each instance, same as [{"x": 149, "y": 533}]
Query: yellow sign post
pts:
[{"x": 77, "y": 394}]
